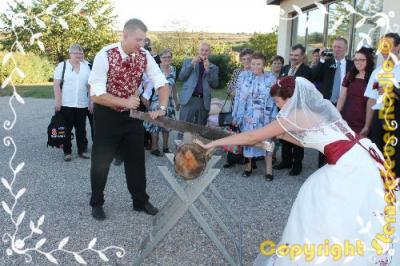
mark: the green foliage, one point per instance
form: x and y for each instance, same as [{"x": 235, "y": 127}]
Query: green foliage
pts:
[
  {"x": 37, "y": 69},
  {"x": 226, "y": 67},
  {"x": 265, "y": 43},
  {"x": 90, "y": 25}
]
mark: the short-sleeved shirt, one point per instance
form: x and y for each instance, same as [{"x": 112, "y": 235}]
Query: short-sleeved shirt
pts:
[
  {"x": 75, "y": 91},
  {"x": 372, "y": 93}
]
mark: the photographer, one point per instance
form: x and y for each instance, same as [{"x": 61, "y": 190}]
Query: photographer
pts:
[{"x": 330, "y": 71}]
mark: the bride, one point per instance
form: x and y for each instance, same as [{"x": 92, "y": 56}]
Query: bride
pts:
[{"x": 343, "y": 213}]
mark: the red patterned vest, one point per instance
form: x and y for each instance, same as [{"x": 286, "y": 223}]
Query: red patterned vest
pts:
[{"x": 124, "y": 76}]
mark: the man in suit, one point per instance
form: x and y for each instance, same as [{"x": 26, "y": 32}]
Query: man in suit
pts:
[
  {"x": 292, "y": 155},
  {"x": 199, "y": 77},
  {"x": 330, "y": 72}
]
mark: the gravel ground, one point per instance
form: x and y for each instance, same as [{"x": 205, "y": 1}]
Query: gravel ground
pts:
[{"x": 61, "y": 190}]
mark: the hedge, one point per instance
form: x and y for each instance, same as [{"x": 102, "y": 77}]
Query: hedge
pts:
[{"x": 37, "y": 69}]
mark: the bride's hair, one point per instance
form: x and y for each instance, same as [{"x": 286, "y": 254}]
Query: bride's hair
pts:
[{"x": 284, "y": 87}]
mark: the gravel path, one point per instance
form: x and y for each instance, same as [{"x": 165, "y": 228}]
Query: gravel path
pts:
[{"x": 61, "y": 190}]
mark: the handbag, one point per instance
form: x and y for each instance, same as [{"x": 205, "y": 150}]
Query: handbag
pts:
[
  {"x": 234, "y": 149},
  {"x": 225, "y": 117}
]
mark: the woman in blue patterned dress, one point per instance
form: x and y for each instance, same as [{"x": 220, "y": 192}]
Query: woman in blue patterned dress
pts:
[
  {"x": 170, "y": 73},
  {"x": 254, "y": 107}
]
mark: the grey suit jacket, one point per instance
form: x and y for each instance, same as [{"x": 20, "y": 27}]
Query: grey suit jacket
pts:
[{"x": 189, "y": 75}]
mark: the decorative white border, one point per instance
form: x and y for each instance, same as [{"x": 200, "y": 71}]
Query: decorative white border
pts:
[{"x": 17, "y": 243}]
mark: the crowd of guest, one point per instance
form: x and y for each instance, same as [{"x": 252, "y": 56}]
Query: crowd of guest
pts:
[{"x": 348, "y": 83}]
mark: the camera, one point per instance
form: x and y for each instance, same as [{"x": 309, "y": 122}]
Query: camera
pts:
[{"x": 327, "y": 53}]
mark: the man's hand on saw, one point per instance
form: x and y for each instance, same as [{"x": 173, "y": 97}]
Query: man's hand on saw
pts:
[
  {"x": 132, "y": 102},
  {"x": 157, "y": 113}
]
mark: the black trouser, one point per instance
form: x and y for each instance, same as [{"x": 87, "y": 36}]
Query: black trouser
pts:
[
  {"x": 113, "y": 130},
  {"x": 379, "y": 135},
  {"x": 292, "y": 155},
  {"x": 75, "y": 118}
]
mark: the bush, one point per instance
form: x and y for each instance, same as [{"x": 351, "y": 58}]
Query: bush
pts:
[
  {"x": 37, "y": 69},
  {"x": 226, "y": 66}
]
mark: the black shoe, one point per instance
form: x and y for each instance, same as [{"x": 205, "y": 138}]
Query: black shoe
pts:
[
  {"x": 117, "y": 162},
  {"x": 147, "y": 208},
  {"x": 84, "y": 155},
  {"x": 228, "y": 165},
  {"x": 296, "y": 170},
  {"x": 156, "y": 153},
  {"x": 247, "y": 173},
  {"x": 281, "y": 166},
  {"x": 269, "y": 177},
  {"x": 166, "y": 150},
  {"x": 98, "y": 213}
]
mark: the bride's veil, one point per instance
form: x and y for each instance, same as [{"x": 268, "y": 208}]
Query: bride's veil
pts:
[{"x": 307, "y": 112}]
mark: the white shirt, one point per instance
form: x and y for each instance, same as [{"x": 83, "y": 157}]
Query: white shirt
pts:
[
  {"x": 75, "y": 91},
  {"x": 372, "y": 93},
  {"x": 342, "y": 70},
  {"x": 98, "y": 76},
  {"x": 147, "y": 87}
]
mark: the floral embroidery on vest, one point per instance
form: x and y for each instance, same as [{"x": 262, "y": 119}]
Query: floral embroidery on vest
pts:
[{"x": 124, "y": 76}]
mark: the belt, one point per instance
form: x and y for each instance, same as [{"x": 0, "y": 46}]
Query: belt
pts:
[{"x": 197, "y": 95}]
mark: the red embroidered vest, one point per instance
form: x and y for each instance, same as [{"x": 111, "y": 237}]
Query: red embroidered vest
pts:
[{"x": 124, "y": 76}]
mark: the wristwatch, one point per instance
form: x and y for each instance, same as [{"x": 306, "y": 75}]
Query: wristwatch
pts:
[{"x": 163, "y": 108}]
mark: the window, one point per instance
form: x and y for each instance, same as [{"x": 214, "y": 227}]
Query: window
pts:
[
  {"x": 367, "y": 8},
  {"x": 339, "y": 21},
  {"x": 308, "y": 30}
]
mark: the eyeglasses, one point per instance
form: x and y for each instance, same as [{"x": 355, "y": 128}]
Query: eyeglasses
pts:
[
  {"x": 78, "y": 53},
  {"x": 166, "y": 57},
  {"x": 359, "y": 60}
]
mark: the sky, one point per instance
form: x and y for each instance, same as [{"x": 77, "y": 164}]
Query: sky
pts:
[{"x": 231, "y": 16}]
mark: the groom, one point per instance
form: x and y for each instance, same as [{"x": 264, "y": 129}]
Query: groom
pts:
[{"x": 116, "y": 75}]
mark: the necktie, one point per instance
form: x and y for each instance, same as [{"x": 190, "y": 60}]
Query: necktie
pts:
[
  {"x": 292, "y": 71},
  {"x": 336, "y": 83}
]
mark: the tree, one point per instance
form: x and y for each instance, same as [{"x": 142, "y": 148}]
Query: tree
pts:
[
  {"x": 51, "y": 26},
  {"x": 265, "y": 43}
]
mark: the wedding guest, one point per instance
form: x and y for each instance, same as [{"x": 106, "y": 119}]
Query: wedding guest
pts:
[
  {"x": 72, "y": 100},
  {"x": 245, "y": 60},
  {"x": 153, "y": 102},
  {"x": 380, "y": 128},
  {"x": 199, "y": 77},
  {"x": 255, "y": 108},
  {"x": 330, "y": 71},
  {"x": 292, "y": 155},
  {"x": 352, "y": 103}
]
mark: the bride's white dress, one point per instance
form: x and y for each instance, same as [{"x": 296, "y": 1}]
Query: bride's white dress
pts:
[{"x": 337, "y": 203}]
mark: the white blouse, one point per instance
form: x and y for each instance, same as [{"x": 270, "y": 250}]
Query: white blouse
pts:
[{"x": 75, "y": 91}]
